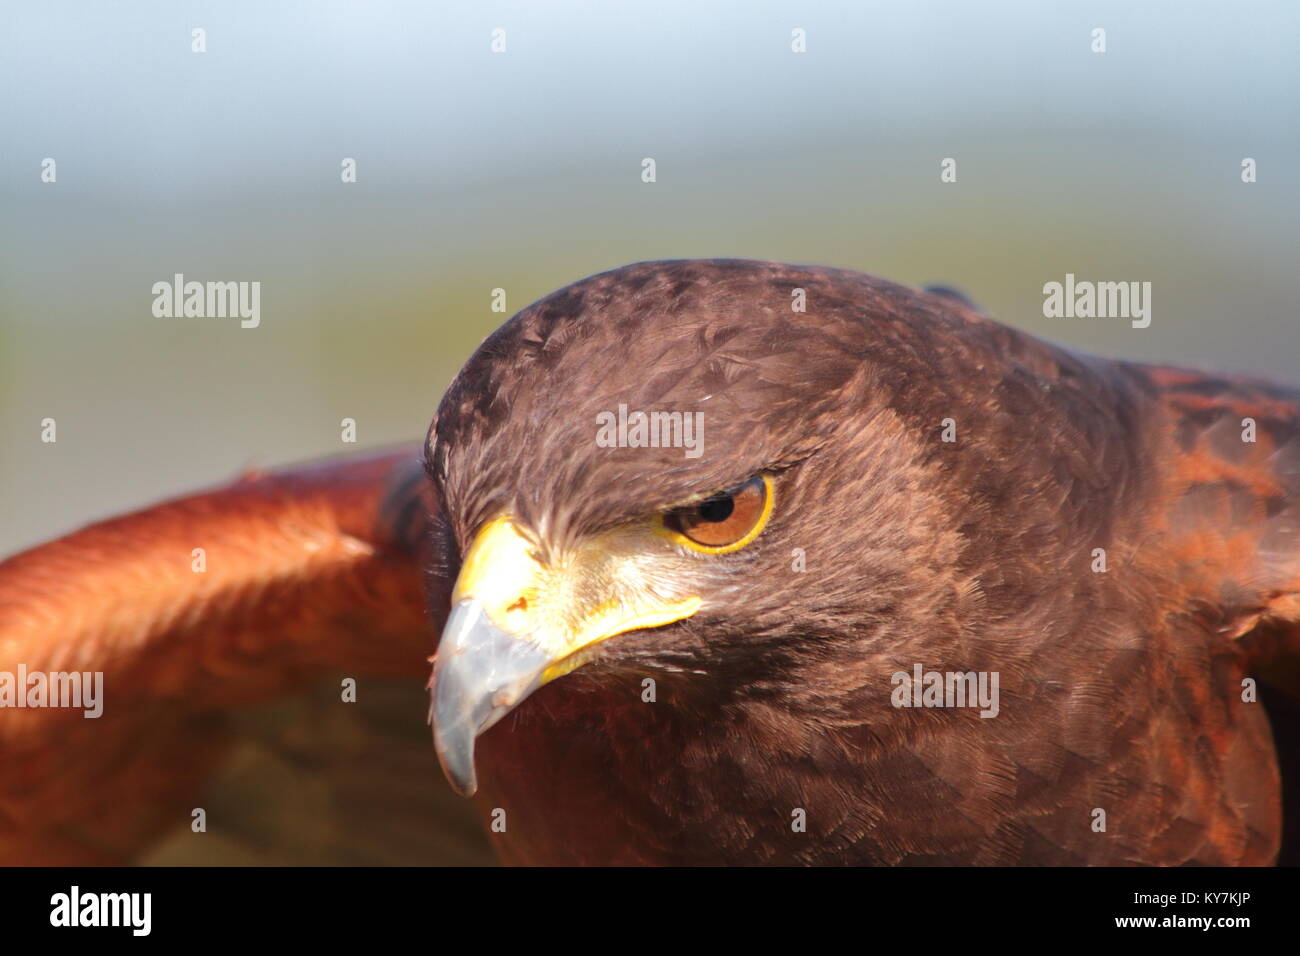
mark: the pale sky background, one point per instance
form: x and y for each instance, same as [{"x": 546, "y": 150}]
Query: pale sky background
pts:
[{"x": 522, "y": 170}]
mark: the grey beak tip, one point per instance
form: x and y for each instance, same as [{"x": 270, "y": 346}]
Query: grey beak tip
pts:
[
  {"x": 457, "y": 759},
  {"x": 480, "y": 673},
  {"x": 463, "y": 780}
]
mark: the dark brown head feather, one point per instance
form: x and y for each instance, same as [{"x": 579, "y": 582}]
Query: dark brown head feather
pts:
[{"x": 973, "y": 554}]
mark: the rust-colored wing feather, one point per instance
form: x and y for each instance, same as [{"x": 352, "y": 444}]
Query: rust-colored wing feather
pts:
[
  {"x": 1227, "y": 531},
  {"x": 301, "y": 573},
  {"x": 1232, "y": 514}
]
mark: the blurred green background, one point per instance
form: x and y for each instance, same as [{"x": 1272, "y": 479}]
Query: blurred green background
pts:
[{"x": 522, "y": 170}]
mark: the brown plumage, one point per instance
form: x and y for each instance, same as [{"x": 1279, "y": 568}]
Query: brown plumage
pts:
[
  {"x": 1121, "y": 690},
  {"x": 306, "y": 575}
]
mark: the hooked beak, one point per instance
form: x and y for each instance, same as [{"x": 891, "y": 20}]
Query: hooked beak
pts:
[
  {"x": 481, "y": 673},
  {"x": 517, "y": 624}
]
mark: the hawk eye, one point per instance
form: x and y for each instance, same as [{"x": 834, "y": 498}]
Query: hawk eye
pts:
[{"x": 723, "y": 522}]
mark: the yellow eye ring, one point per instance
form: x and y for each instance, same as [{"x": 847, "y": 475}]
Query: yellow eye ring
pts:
[{"x": 719, "y": 515}]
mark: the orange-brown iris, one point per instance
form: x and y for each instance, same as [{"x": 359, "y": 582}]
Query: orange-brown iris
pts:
[{"x": 723, "y": 519}]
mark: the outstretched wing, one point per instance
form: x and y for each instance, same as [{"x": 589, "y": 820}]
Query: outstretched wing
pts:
[
  {"x": 187, "y": 609},
  {"x": 1233, "y": 509},
  {"x": 1232, "y": 519}
]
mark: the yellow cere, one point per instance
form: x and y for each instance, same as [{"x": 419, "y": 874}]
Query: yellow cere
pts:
[
  {"x": 499, "y": 569},
  {"x": 501, "y": 574},
  {"x": 609, "y": 621}
]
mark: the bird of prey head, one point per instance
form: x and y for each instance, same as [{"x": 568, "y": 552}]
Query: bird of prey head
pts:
[
  {"x": 652, "y": 561},
  {"x": 886, "y": 480},
  {"x": 699, "y": 534}
]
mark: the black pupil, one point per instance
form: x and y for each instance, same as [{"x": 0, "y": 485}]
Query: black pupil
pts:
[{"x": 718, "y": 508}]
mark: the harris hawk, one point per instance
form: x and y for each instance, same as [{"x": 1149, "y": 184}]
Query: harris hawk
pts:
[{"x": 691, "y": 650}]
